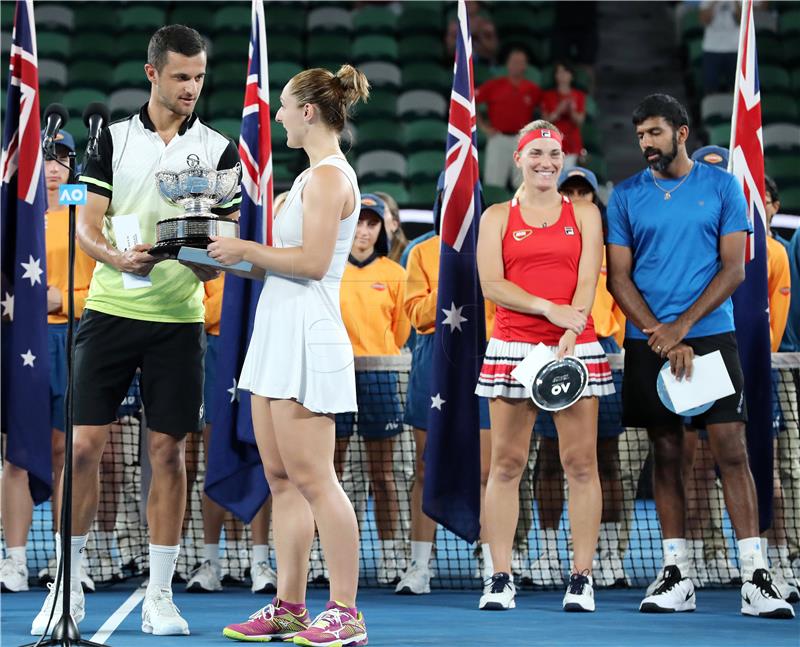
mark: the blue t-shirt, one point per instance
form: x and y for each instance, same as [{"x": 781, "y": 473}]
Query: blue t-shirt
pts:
[{"x": 675, "y": 242}]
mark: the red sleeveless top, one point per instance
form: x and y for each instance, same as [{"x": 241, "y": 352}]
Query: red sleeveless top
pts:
[{"x": 543, "y": 261}]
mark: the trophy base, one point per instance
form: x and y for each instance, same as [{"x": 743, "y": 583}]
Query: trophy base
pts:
[
  {"x": 171, "y": 248},
  {"x": 190, "y": 231}
]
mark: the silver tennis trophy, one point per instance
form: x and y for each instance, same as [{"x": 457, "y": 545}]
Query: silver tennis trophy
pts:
[{"x": 196, "y": 189}]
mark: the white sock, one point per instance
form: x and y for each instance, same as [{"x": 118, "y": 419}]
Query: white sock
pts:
[
  {"x": 750, "y": 556},
  {"x": 675, "y": 553},
  {"x": 421, "y": 552},
  {"x": 211, "y": 553},
  {"x": 488, "y": 565},
  {"x": 549, "y": 540},
  {"x": 162, "y": 566},
  {"x": 260, "y": 553},
  {"x": 78, "y": 544},
  {"x": 18, "y": 555}
]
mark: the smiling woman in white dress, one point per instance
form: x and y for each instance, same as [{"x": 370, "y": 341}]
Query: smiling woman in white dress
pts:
[{"x": 299, "y": 366}]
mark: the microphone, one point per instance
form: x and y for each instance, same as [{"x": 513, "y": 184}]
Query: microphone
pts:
[
  {"x": 55, "y": 117},
  {"x": 94, "y": 118}
]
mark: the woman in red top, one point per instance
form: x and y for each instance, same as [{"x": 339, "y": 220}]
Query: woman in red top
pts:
[
  {"x": 539, "y": 258},
  {"x": 566, "y": 108}
]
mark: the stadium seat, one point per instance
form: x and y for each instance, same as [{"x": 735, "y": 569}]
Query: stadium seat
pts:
[
  {"x": 395, "y": 189},
  {"x": 371, "y": 19},
  {"x": 421, "y": 194},
  {"x": 781, "y": 137},
  {"x": 782, "y": 168},
  {"x": 192, "y": 14},
  {"x": 421, "y": 103},
  {"x": 127, "y": 101},
  {"x": 76, "y": 100},
  {"x": 716, "y": 108},
  {"x": 52, "y": 16},
  {"x": 88, "y": 19},
  {"x": 141, "y": 17},
  {"x": 424, "y": 134},
  {"x": 421, "y": 48},
  {"x": 289, "y": 18},
  {"x": 381, "y": 166},
  {"x": 51, "y": 44},
  {"x": 382, "y": 75},
  {"x": 375, "y": 48},
  {"x": 770, "y": 50},
  {"x": 381, "y": 104},
  {"x": 131, "y": 46},
  {"x": 425, "y": 166},
  {"x": 93, "y": 74},
  {"x": 230, "y": 74},
  {"x": 791, "y": 51},
  {"x": 330, "y": 19},
  {"x": 52, "y": 73},
  {"x": 230, "y": 47},
  {"x": 226, "y": 103},
  {"x": 281, "y": 72},
  {"x": 235, "y": 18},
  {"x": 592, "y": 140},
  {"x": 777, "y": 108},
  {"x": 377, "y": 134},
  {"x": 86, "y": 48},
  {"x": 494, "y": 194},
  {"x": 720, "y": 135},
  {"x": 130, "y": 73},
  {"x": 790, "y": 199},
  {"x": 328, "y": 47},
  {"x": 789, "y": 23},
  {"x": 228, "y": 126},
  {"x": 774, "y": 79},
  {"x": 424, "y": 76}
]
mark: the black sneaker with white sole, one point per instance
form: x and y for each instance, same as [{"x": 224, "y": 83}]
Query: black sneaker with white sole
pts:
[{"x": 761, "y": 598}]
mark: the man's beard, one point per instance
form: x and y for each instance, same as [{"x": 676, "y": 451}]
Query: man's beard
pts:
[{"x": 664, "y": 159}]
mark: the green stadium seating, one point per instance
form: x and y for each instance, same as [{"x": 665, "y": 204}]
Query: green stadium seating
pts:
[
  {"x": 87, "y": 47},
  {"x": 395, "y": 189},
  {"x": 377, "y": 134},
  {"x": 782, "y": 168},
  {"x": 597, "y": 163},
  {"x": 420, "y": 18},
  {"x": 281, "y": 72},
  {"x": 425, "y": 166},
  {"x": 76, "y": 100},
  {"x": 141, "y": 17},
  {"x": 424, "y": 76},
  {"x": 495, "y": 194},
  {"x": 329, "y": 19},
  {"x": 89, "y": 19},
  {"x": 421, "y": 48},
  {"x": 720, "y": 135},
  {"x": 375, "y": 48},
  {"x": 51, "y": 44},
  {"x": 49, "y": 16},
  {"x": 230, "y": 47},
  {"x": 789, "y": 22},
  {"x": 236, "y": 18},
  {"x": 382, "y": 103},
  {"x": 790, "y": 199},
  {"x": 774, "y": 79},
  {"x": 225, "y": 103},
  {"x": 421, "y": 194},
  {"x": 423, "y": 134},
  {"x": 129, "y": 73},
  {"x": 228, "y": 126},
  {"x": 191, "y": 14},
  {"x": 378, "y": 20},
  {"x": 228, "y": 74},
  {"x": 131, "y": 46},
  {"x": 93, "y": 74},
  {"x": 326, "y": 47},
  {"x": 285, "y": 18},
  {"x": 770, "y": 50},
  {"x": 779, "y": 108}
]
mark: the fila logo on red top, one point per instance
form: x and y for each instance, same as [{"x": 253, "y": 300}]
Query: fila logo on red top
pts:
[
  {"x": 569, "y": 231},
  {"x": 521, "y": 234}
]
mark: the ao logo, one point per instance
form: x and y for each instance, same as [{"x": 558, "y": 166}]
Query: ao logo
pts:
[
  {"x": 559, "y": 388},
  {"x": 72, "y": 194}
]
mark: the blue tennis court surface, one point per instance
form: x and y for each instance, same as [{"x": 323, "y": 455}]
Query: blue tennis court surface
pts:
[{"x": 442, "y": 618}]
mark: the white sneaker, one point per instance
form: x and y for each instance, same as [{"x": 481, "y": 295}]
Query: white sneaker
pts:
[
  {"x": 500, "y": 594},
  {"x": 415, "y": 581},
  {"x": 265, "y": 579},
  {"x": 674, "y": 592},
  {"x": 761, "y": 598},
  {"x": 608, "y": 571},
  {"x": 785, "y": 582},
  {"x": 76, "y": 606},
  {"x": 546, "y": 570},
  {"x": 204, "y": 579},
  {"x": 160, "y": 616},
  {"x": 87, "y": 583},
  {"x": 580, "y": 593},
  {"x": 13, "y": 576}
]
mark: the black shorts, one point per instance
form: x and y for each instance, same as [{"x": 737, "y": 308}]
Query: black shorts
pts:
[
  {"x": 641, "y": 406},
  {"x": 109, "y": 349}
]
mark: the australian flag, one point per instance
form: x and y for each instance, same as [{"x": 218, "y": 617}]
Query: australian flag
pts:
[
  {"x": 25, "y": 361},
  {"x": 751, "y": 301},
  {"x": 452, "y": 454},
  {"x": 235, "y": 477}
]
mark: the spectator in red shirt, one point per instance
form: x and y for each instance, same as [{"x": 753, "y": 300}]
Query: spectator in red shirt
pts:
[
  {"x": 566, "y": 108},
  {"x": 511, "y": 101}
]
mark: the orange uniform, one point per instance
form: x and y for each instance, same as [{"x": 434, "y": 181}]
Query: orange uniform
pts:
[
  {"x": 372, "y": 299},
  {"x": 56, "y": 230},
  {"x": 779, "y": 288},
  {"x": 609, "y": 320}
]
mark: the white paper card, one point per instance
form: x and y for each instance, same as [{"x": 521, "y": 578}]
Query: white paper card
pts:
[
  {"x": 709, "y": 382},
  {"x": 526, "y": 371},
  {"x": 128, "y": 234}
]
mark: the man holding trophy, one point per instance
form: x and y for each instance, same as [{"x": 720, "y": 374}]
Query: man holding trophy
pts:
[{"x": 161, "y": 169}]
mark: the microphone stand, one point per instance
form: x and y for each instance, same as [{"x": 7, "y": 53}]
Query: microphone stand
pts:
[{"x": 65, "y": 632}]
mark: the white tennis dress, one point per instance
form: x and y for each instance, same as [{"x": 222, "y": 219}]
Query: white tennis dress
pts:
[{"x": 300, "y": 349}]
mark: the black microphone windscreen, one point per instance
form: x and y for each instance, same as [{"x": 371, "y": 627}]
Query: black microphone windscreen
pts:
[
  {"x": 57, "y": 109},
  {"x": 96, "y": 108}
]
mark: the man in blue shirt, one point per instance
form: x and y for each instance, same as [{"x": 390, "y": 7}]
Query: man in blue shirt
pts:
[{"x": 676, "y": 248}]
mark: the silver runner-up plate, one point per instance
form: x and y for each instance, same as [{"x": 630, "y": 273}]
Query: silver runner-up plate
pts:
[{"x": 559, "y": 383}]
